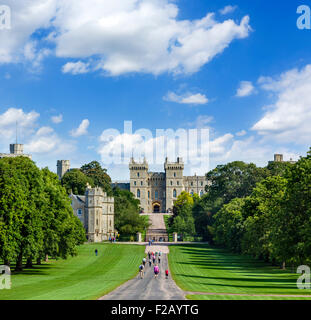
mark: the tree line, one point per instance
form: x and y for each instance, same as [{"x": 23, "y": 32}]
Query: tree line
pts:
[
  {"x": 263, "y": 212},
  {"x": 36, "y": 218}
]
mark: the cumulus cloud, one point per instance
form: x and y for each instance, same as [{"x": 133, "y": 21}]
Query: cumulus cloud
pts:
[
  {"x": 76, "y": 68},
  {"x": 81, "y": 130},
  {"x": 26, "y": 122},
  {"x": 57, "y": 119},
  {"x": 122, "y": 36},
  {"x": 27, "y": 17},
  {"x": 289, "y": 118},
  {"x": 188, "y": 98},
  {"x": 241, "y": 133},
  {"x": 227, "y": 9},
  {"x": 47, "y": 142},
  {"x": 245, "y": 89}
]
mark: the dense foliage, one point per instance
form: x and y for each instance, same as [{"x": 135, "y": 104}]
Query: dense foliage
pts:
[
  {"x": 264, "y": 212},
  {"x": 36, "y": 218},
  {"x": 127, "y": 219}
]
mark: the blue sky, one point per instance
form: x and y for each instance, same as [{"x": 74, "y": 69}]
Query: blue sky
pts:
[{"x": 240, "y": 68}]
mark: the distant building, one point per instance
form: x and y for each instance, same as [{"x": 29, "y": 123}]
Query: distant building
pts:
[
  {"x": 16, "y": 150},
  {"x": 63, "y": 166},
  {"x": 123, "y": 185},
  {"x": 157, "y": 191},
  {"x": 96, "y": 212},
  {"x": 280, "y": 158}
]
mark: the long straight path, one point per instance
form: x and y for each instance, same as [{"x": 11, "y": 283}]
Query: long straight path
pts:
[{"x": 149, "y": 288}]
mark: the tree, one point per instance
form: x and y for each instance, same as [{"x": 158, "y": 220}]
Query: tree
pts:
[
  {"x": 75, "y": 181},
  {"x": 233, "y": 180},
  {"x": 182, "y": 221},
  {"x": 127, "y": 219},
  {"x": 277, "y": 168},
  {"x": 99, "y": 176},
  {"x": 21, "y": 199},
  {"x": 36, "y": 218},
  {"x": 228, "y": 225}
]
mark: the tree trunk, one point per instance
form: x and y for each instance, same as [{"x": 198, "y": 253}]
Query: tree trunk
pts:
[
  {"x": 38, "y": 260},
  {"x": 7, "y": 263},
  {"x": 284, "y": 265},
  {"x": 19, "y": 262},
  {"x": 46, "y": 258},
  {"x": 29, "y": 263}
]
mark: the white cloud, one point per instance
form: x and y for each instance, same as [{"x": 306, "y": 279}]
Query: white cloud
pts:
[
  {"x": 27, "y": 17},
  {"x": 57, "y": 119},
  {"x": 188, "y": 98},
  {"x": 125, "y": 35},
  {"x": 201, "y": 121},
  {"x": 81, "y": 130},
  {"x": 241, "y": 133},
  {"x": 26, "y": 122},
  {"x": 246, "y": 89},
  {"x": 46, "y": 142},
  {"x": 227, "y": 9},
  {"x": 35, "y": 56},
  {"x": 76, "y": 68},
  {"x": 289, "y": 118}
]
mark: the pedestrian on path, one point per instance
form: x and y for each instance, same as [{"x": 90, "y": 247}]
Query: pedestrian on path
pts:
[
  {"x": 166, "y": 273},
  {"x": 153, "y": 259},
  {"x": 150, "y": 261},
  {"x": 96, "y": 252},
  {"x": 144, "y": 262},
  {"x": 141, "y": 271},
  {"x": 159, "y": 259},
  {"x": 156, "y": 271}
]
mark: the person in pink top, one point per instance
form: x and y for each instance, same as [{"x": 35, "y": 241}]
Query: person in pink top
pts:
[{"x": 156, "y": 271}]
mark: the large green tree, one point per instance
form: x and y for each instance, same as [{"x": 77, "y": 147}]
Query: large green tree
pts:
[
  {"x": 127, "y": 219},
  {"x": 98, "y": 175},
  {"x": 75, "y": 181}
]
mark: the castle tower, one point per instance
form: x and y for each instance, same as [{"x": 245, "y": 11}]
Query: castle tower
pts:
[
  {"x": 278, "y": 158},
  {"x": 16, "y": 149},
  {"x": 174, "y": 173},
  {"x": 62, "y": 167},
  {"x": 139, "y": 182},
  {"x": 93, "y": 206}
]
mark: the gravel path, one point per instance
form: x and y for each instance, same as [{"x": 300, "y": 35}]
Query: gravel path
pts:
[{"x": 149, "y": 288}]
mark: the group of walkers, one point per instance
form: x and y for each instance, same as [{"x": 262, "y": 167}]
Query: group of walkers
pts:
[{"x": 154, "y": 258}]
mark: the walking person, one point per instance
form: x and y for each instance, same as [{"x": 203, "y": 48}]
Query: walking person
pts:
[
  {"x": 150, "y": 262},
  {"x": 159, "y": 259},
  {"x": 141, "y": 271},
  {"x": 166, "y": 273},
  {"x": 144, "y": 262},
  {"x": 156, "y": 271},
  {"x": 153, "y": 259},
  {"x": 96, "y": 252}
]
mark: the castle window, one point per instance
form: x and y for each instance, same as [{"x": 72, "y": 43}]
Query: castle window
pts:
[
  {"x": 174, "y": 193},
  {"x": 97, "y": 222},
  {"x": 191, "y": 184},
  {"x": 201, "y": 183},
  {"x": 192, "y": 192},
  {"x": 148, "y": 194},
  {"x": 171, "y": 183},
  {"x": 201, "y": 193},
  {"x": 174, "y": 174},
  {"x": 178, "y": 183},
  {"x": 141, "y": 183},
  {"x": 134, "y": 183},
  {"x": 79, "y": 212},
  {"x": 156, "y": 195},
  {"x": 138, "y": 174},
  {"x": 138, "y": 193}
]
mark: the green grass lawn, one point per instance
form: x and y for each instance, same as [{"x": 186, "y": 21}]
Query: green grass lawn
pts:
[
  {"x": 201, "y": 268},
  {"x": 82, "y": 277}
]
